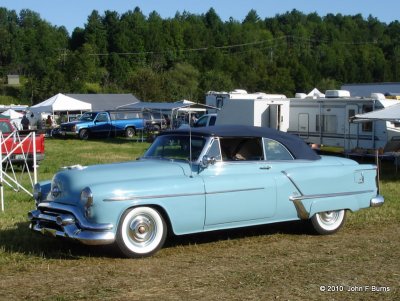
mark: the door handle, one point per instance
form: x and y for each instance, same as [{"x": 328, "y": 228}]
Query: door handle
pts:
[{"x": 265, "y": 167}]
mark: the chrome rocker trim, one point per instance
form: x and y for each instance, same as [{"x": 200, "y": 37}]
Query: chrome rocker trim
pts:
[{"x": 69, "y": 224}]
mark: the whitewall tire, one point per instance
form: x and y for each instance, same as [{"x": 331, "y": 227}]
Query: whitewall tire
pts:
[
  {"x": 141, "y": 232},
  {"x": 328, "y": 222}
]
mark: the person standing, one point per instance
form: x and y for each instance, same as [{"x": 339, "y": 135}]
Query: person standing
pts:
[
  {"x": 49, "y": 126},
  {"x": 25, "y": 122}
]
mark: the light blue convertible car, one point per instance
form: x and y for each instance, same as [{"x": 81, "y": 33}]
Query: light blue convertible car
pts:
[{"x": 202, "y": 179}]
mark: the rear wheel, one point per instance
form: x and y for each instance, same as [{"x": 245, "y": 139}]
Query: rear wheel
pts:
[
  {"x": 156, "y": 127},
  {"x": 141, "y": 232},
  {"x": 328, "y": 222},
  {"x": 130, "y": 132},
  {"x": 84, "y": 134}
]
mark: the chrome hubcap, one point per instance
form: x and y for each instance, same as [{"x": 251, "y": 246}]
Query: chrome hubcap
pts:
[
  {"x": 329, "y": 217},
  {"x": 142, "y": 230}
]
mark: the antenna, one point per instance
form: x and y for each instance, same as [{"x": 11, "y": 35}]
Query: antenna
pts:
[{"x": 190, "y": 145}]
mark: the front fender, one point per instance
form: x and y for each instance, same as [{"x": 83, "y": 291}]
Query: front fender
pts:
[{"x": 182, "y": 199}]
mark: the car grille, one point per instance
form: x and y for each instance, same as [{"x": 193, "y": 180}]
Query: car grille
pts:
[{"x": 66, "y": 128}]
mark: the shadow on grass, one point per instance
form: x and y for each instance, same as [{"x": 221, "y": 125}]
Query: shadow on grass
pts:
[
  {"x": 22, "y": 240},
  {"x": 290, "y": 228}
]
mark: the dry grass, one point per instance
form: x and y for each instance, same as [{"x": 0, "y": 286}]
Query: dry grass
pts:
[
  {"x": 261, "y": 264},
  {"x": 274, "y": 262}
]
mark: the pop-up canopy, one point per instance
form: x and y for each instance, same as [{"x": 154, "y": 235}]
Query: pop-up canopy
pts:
[
  {"x": 12, "y": 114},
  {"x": 391, "y": 113},
  {"x": 61, "y": 103}
]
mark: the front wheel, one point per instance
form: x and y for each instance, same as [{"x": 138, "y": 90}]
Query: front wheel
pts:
[
  {"x": 328, "y": 222},
  {"x": 84, "y": 134},
  {"x": 141, "y": 232},
  {"x": 130, "y": 132}
]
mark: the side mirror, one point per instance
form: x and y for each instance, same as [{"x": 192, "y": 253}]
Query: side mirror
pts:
[{"x": 206, "y": 161}]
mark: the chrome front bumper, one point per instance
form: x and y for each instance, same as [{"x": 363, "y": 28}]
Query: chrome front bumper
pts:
[
  {"x": 60, "y": 222},
  {"x": 68, "y": 133}
]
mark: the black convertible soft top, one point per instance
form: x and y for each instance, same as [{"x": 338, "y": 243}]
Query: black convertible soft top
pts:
[{"x": 298, "y": 148}]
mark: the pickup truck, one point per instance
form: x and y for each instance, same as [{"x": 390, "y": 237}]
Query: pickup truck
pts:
[
  {"x": 205, "y": 120},
  {"x": 10, "y": 141},
  {"x": 105, "y": 123}
]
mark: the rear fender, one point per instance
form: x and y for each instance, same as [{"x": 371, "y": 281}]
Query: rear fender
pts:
[{"x": 335, "y": 188}]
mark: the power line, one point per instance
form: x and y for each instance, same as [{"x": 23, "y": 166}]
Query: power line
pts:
[{"x": 233, "y": 46}]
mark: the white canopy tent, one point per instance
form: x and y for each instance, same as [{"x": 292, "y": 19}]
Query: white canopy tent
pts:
[
  {"x": 61, "y": 103},
  {"x": 388, "y": 114},
  {"x": 391, "y": 113},
  {"x": 12, "y": 114},
  {"x": 315, "y": 93},
  {"x": 15, "y": 117}
]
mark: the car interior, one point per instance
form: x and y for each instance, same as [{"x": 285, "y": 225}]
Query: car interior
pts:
[{"x": 241, "y": 149}]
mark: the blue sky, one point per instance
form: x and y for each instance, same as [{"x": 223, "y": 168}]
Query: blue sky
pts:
[{"x": 74, "y": 13}]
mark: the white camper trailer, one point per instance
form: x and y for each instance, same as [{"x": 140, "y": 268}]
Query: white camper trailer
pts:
[
  {"x": 257, "y": 109},
  {"x": 318, "y": 118},
  {"x": 327, "y": 121}
]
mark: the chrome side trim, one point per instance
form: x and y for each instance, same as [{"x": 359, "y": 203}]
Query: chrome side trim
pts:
[
  {"x": 161, "y": 196},
  {"x": 301, "y": 210},
  {"x": 236, "y": 190},
  {"x": 291, "y": 180},
  {"x": 374, "y": 168},
  {"x": 328, "y": 195}
]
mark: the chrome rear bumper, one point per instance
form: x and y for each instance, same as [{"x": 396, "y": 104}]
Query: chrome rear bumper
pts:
[{"x": 377, "y": 201}]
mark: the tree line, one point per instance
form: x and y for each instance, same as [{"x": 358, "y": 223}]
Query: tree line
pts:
[{"x": 185, "y": 56}]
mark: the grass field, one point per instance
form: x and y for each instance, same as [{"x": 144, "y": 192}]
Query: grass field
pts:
[{"x": 273, "y": 262}]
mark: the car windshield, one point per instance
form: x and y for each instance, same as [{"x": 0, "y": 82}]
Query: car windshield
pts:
[
  {"x": 173, "y": 147},
  {"x": 88, "y": 117},
  {"x": 5, "y": 127}
]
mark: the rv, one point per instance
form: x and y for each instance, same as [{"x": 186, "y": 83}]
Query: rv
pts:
[
  {"x": 322, "y": 120},
  {"x": 257, "y": 109},
  {"x": 328, "y": 121}
]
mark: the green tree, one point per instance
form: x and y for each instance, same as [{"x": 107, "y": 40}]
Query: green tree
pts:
[
  {"x": 182, "y": 82},
  {"x": 145, "y": 84}
]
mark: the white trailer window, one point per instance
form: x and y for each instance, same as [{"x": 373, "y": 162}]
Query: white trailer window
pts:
[
  {"x": 367, "y": 126},
  {"x": 326, "y": 123}
]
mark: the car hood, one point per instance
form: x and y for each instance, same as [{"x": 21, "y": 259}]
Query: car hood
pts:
[
  {"x": 72, "y": 123},
  {"x": 73, "y": 179}
]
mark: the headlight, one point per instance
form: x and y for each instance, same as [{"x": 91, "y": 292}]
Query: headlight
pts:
[
  {"x": 55, "y": 190},
  {"x": 87, "y": 200},
  {"x": 87, "y": 197}
]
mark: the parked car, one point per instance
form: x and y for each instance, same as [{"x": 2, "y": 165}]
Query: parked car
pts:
[
  {"x": 20, "y": 150},
  {"x": 206, "y": 120},
  {"x": 198, "y": 180},
  {"x": 104, "y": 123},
  {"x": 155, "y": 121}
]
